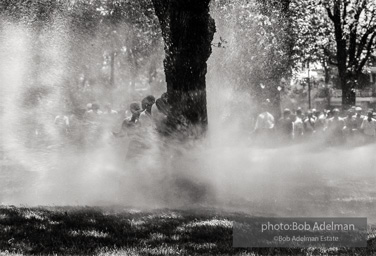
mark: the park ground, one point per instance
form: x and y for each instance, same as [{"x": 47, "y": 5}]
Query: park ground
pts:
[
  {"x": 120, "y": 230},
  {"x": 80, "y": 230}
]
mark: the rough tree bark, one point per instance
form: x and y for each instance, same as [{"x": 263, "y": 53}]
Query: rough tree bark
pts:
[
  {"x": 348, "y": 92},
  {"x": 188, "y": 31}
]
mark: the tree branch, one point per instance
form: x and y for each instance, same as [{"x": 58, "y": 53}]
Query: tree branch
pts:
[
  {"x": 354, "y": 33},
  {"x": 363, "y": 41},
  {"x": 330, "y": 14},
  {"x": 368, "y": 54},
  {"x": 344, "y": 13},
  {"x": 337, "y": 12}
]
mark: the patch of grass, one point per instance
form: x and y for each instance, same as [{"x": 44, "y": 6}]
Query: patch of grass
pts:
[{"x": 115, "y": 231}]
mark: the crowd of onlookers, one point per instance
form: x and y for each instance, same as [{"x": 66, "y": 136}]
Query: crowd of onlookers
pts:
[{"x": 352, "y": 125}]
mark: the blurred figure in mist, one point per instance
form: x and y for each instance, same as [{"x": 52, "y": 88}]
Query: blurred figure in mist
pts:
[
  {"x": 110, "y": 117},
  {"x": 88, "y": 107},
  {"x": 130, "y": 123},
  {"x": 63, "y": 125},
  {"x": 329, "y": 114},
  {"x": 309, "y": 124},
  {"x": 315, "y": 113},
  {"x": 77, "y": 127},
  {"x": 108, "y": 110},
  {"x": 358, "y": 118},
  {"x": 93, "y": 124},
  {"x": 146, "y": 105},
  {"x": 334, "y": 129},
  {"x": 320, "y": 120},
  {"x": 160, "y": 108},
  {"x": 93, "y": 114},
  {"x": 147, "y": 125},
  {"x": 349, "y": 121},
  {"x": 264, "y": 126},
  {"x": 132, "y": 132},
  {"x": 265, "y": 122},
  {"x": 164, "y": 97},
  {"x": 285, "y": 126},
  {"x": 369, "y": 128},
  {"x": 299, "y": 125},
  {"x": 95, "y": 109}
]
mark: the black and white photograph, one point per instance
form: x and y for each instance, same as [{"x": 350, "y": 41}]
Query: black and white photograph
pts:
[{"x": 187, "y": 127}]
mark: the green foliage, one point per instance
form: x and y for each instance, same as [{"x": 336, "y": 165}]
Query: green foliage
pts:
[
  {"x": 257, "y": 41},
  {"x": 258, "y": 53},
  {"x": 312, "y": 30},
  {"x": 314, "y": 27}
]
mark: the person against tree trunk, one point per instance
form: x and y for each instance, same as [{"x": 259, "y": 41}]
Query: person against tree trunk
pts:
[
  {"x": 159, "y": 113},
  {"x": 145, "y": 116}
]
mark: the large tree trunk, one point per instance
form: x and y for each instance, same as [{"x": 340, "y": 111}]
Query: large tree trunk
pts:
[
  {"x": 346, "y": 78},
  {"x": 188, "y": 31},
  {"x": 348, "y": 91}
]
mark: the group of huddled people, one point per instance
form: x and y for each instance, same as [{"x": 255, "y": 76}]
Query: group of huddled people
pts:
[
  {"x": 138, "y": 120},
  {"x": 152, "y": 113},
  {"x": 336, "y": 127}
]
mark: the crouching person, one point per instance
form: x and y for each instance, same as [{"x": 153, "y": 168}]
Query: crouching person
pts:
[{"x": 131, "y": 122}]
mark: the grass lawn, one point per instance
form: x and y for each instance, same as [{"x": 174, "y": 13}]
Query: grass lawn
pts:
[{"x": 125, "y": 231}]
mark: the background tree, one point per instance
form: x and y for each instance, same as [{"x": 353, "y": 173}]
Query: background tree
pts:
[
  {"x": 314, "y": 40},
  {"x": 354, "y": 27}
]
